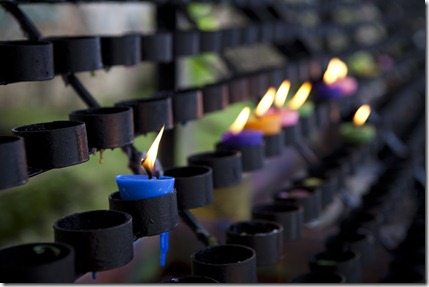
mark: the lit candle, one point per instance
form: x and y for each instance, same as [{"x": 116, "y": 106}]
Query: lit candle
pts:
[
  {"x": 288, "y": 117},
  {"x": 335, "y": 82},
  {"x": 237, "y": 137},
  {"x": 268, "y": 123},
  {"x": 136, "y": 187},
  {"x": 299, "y": 101},
  {"x": 359, "y": 131}
]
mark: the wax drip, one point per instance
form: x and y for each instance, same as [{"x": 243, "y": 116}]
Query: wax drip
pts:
[
  {"x": 94, "y": 275},
  {"x": 164, "y": 248},
  {"x": 100, "y": 161}
]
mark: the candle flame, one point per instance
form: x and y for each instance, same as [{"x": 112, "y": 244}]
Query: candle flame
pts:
[
  {"x": 361, "y": 115},
  {"x": 336, "y": 70},
  {"x": 148, "y": 162},
  {"x": 300, "y": 97},
  {"x": 239, "y": 123},
  {"x": 281, "y": 94},
  {"x": 265, "y": 103}
]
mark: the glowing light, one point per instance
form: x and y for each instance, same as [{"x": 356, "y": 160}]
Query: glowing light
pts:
[
  {"x": 361, "y": 115},
  {"x": 265, "y": 103},
  {"x": 148, "y": 162},
  {"x": 336, "y": 70},
  {"x": 281, "y": 94},
  {"x": 300, "y": 97},
  {"x": 239, "y": 123}
]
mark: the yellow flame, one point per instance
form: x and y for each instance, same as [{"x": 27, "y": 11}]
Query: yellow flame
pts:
[
  {"x": 281, "y": 94},
  {"x": 361, "y": 115},
  {"x": 336, "y": 70},
  {"x": 300, "y": 97},
  {"x": 265, "y": 103},
  {"x": 149, "y": 160},
  {"x": 241, "y": 120}
]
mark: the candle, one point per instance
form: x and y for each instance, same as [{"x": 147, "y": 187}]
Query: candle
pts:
[
  {"x": 136, "y": 187},
  {"x": 237, "y": 137},
  {"x": 359, "y": 131},
  {"x": 268, "y": 123},
  {"x": 335, "y": 82},
  {"x": 288, "y": 117},
  {"x": 298, "y": 101}
]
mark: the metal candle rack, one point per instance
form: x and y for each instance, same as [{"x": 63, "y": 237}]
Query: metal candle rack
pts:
[{"x": 102, "y": 239}]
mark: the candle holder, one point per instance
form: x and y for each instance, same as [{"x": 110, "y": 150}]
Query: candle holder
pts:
[
  {"x": 265, "y": 237},
  {"x": 289, "y": 215},
  {"x": 249, "y": 34},
  {"x": 157, "y": 47},
  {"x": 281, "y": 31},
  {"x": 319, "y": 277},
  {"x": 106, "y": 127},
  {"x": 252, "y": 157},
  {"x": 37, "y": 263},
  {"x": 347, "y": 263},
  {"x": 259, "y": 83},
  {"x": 267, "y": 30},
  {"x": 362, "y": 219},
  {"x": 359, "y": 240},
  {"x": 194, "y": 185},
  {"x": 321, "y": 182},
  {"x": 54, "y": 144},
  {"x": 292, "y": 134},
  {"x": 14, "y": 163},
  {"x": 226, "y": 166},
  {"x": 226, "y": 263},
  {"x": 211, "y": 41},
  {"x": 274, "y": 144},
  {"x": 215, "y": 97},
  {"x": 239, "y": 90},
  {"x": 187, "y": 105},
  {"x": 76, "y": 54},
  {"x": 151, "y": 216},
  {"x": 102, "y": 239},
  {"x": 309, "y": 198},
  {"x": 277, "y": 76},
  {"x": 121, "y": 50},
  {"x": 25, "y": 61},
  {"x": 186, "y": 43},
  {"x": 308, "y": 124},
  {"x": 191, "y": 279},
  {"x": 150, "y": 114},
  {"x": 322, "y": 112},
  {"x": 231, "y": 38}
]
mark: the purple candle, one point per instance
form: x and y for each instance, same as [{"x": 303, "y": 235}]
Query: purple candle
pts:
[{"x": 236, "y": 136}]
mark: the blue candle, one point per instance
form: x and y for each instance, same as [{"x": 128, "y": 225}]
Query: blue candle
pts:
[{"x": 135, "y": 187}]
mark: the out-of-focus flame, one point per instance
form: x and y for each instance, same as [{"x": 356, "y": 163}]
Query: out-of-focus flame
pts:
[
  {"x": 361, "y": 115},
  {"x": 281, "y": 94},
  {"x": 300, "y": 97},
  {"x": 241, "y": 120},
  {"x": 265, "y": 103},
  {"x": 336, "y": 70},
  {"x": 148, "y": 162}
]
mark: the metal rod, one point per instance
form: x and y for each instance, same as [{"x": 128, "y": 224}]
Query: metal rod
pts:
[
  {"x": 26, "y": 24},
  {"x": 79, "y": 88},
  {"x": 199, "y": 230}
]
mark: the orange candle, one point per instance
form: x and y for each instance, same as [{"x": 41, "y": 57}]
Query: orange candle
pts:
[{"x": 268, "y": 124}]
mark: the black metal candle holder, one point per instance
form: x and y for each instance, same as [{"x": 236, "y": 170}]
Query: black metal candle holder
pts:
[
  {"x": 322, "y": 112},
  {"x": 102, "y": 239},
  {"x": 106, "y": 127},
  {"x": 309, "y": 198},
  {"x": 226, "y": 263},
  {"x": 289, "y": 215},
  {"x": 76, "y": 54},
  {"x": 347, "y": 263},
  {"x": 194, "y": 185},
  {"x": 150, "y": 114},
  {"x": 151, "y": 216},
  {"x": 277, "y": 77},
  {"x": 157, "y": 47},
  {"x": 187, "y": 105},
  {"x": 26, "y": 61},
  {"x": 308, "y": 124},
  {"x": 322, "y": 182},
  {"x": 13, "y": 165},
  {"x": 259, "y": 84},
  {"x": 211, "y": 41},
  {"x": 215, "y": 97},
  {"x": 359, "y": 218},
  {"x": 37, "y": 263},
  {"x": 231, "y": 37},
  {"x": 249, "y": 34},
  {"x": 319, "y": 277},
  {"x": 191, "y": 279},
  {"x": 226, "y": 166},
  {"x": 186, "y": 43},
  {"x": 54, "y": 144},
  {"x": 252, "y": 157},
  {"x": 121, "y": 50},
  {"x": 359, "y": 240},
  {"x": 266, "y": 32},
  {"x": 265, "y": 237},
  {"x": 292, "y": 134},
  {"x": 274, "y": 144},
  {"x": 239, "y": 89}
]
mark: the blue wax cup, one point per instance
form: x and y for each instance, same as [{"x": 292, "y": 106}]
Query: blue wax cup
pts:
[
  {"x": 135, "y": 187},
  {"x": 327, "y": 92},
  {"x": 244, "y": 138}
]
